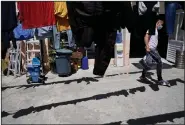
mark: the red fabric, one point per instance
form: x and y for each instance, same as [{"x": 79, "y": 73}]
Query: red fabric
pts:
[{"x": 36, "y": 14}]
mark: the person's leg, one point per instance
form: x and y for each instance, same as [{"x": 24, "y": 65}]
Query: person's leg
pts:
[
  {"x": 155, "y": 55},
  {"x": 145, "y": 62}
]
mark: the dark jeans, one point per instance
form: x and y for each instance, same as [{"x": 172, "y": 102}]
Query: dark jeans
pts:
[{"x": 151, "y": 57}]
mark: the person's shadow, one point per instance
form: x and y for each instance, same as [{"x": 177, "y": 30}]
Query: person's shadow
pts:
[
  {"x": 153, "y": 83},
  {"x": 150, "y": 81}
]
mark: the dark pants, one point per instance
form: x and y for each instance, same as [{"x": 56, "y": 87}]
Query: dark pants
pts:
[
  {"x": 104, "y": 51},
  {"x": 151, "y": 58},
  {"x": 6, "y": 37},
  {"x": 104, "y": 39},
  {"x": 97, "y": 21}
]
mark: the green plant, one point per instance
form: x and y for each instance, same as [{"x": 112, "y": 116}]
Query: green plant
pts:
[{"x": 52, "y": 54}]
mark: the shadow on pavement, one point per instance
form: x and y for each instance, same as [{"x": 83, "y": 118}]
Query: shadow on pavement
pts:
[
  {"x": 154, "y": 83},
  {"x": 88, "y": 80},
  {"x": 156, "y": 119},
  {"x": 165, "y": 66},
  {"x": 124, "y": 92},
  {"x": 151, "y": 120},
  {"x": 32, "y": 109}
]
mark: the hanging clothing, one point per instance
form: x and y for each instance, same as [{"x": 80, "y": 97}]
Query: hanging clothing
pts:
[
  {"x": 36, "y": 14},
  {"x": 98, "y": 21},
  {"x": 148, "y": 11},
  {"x": 90, "y": 14},
  {"x": 56, "y": 38},
  {"x": 23, "y": 34},
  {"x": 8, "y": 14},
  {"x": 61, "y": 14},
  {"x": 8, "y": 23},
  {"x": 70, "y": 38},
  {"x": 143, "y": 7},
  {"x": 44, "y": 32}
]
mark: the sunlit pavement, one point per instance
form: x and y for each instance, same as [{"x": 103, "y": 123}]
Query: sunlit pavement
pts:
[{"x": 87, "y": 99}]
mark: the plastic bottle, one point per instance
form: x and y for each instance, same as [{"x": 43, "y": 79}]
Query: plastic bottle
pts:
[
  {"x": 85, "y": 63},
  {"x": 118, "y": 50}
]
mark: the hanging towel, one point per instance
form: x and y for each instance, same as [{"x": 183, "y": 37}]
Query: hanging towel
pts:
[{"x": 61, "y": 14}]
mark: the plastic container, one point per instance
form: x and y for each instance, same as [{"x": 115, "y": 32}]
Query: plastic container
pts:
[
  {"x": 85, "y": 62},
  {"x": 118, "y": 50},
  {"x": 35, "y": 62},
  {"x": 63, "y": 64},
  {"x": 179, "y": 62},
  {"x": 119, "y": 37},
  {"x": 35, "y": 76},
  {"x": 34, "y": 70}
]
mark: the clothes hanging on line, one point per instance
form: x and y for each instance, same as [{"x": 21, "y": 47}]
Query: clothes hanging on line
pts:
[
  {"x": 36, "y": 14},
  {"x": 44, "y": 32},
  {"x": 89, "y": 14},
  {"x": 147, "y": 17},
  {"x": 61, "y": 14},
  {"x": 56, "y": 38},
  {"x": 71, "y": 40},
  {"x": 23, "y": 34},
  {"x": 98, "y": 22},
  {"x": 148, "y": 6},
  {"x": 8, "y": 23}
]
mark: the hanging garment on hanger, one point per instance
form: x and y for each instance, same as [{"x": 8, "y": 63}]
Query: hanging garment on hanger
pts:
[
  {"x": 8, "y": 23},
  {"x": 61, "y": 14},
  {"x": 36, "y": 14}
]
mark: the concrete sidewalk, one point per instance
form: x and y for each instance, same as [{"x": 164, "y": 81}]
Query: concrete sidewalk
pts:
[{"x": 87, "y": 99}]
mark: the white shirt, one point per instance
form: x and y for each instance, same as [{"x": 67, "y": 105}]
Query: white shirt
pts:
[{"x": 153, "y": 42}]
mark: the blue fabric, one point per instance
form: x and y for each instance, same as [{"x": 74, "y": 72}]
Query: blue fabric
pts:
[
  {"x": 170, "y": 14},
  {"x": 23, "y": 34},
  {"x": 44, "y": 32},
  {"x": 71, "y": 40},
  {"x": 56, "y": 38}
]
